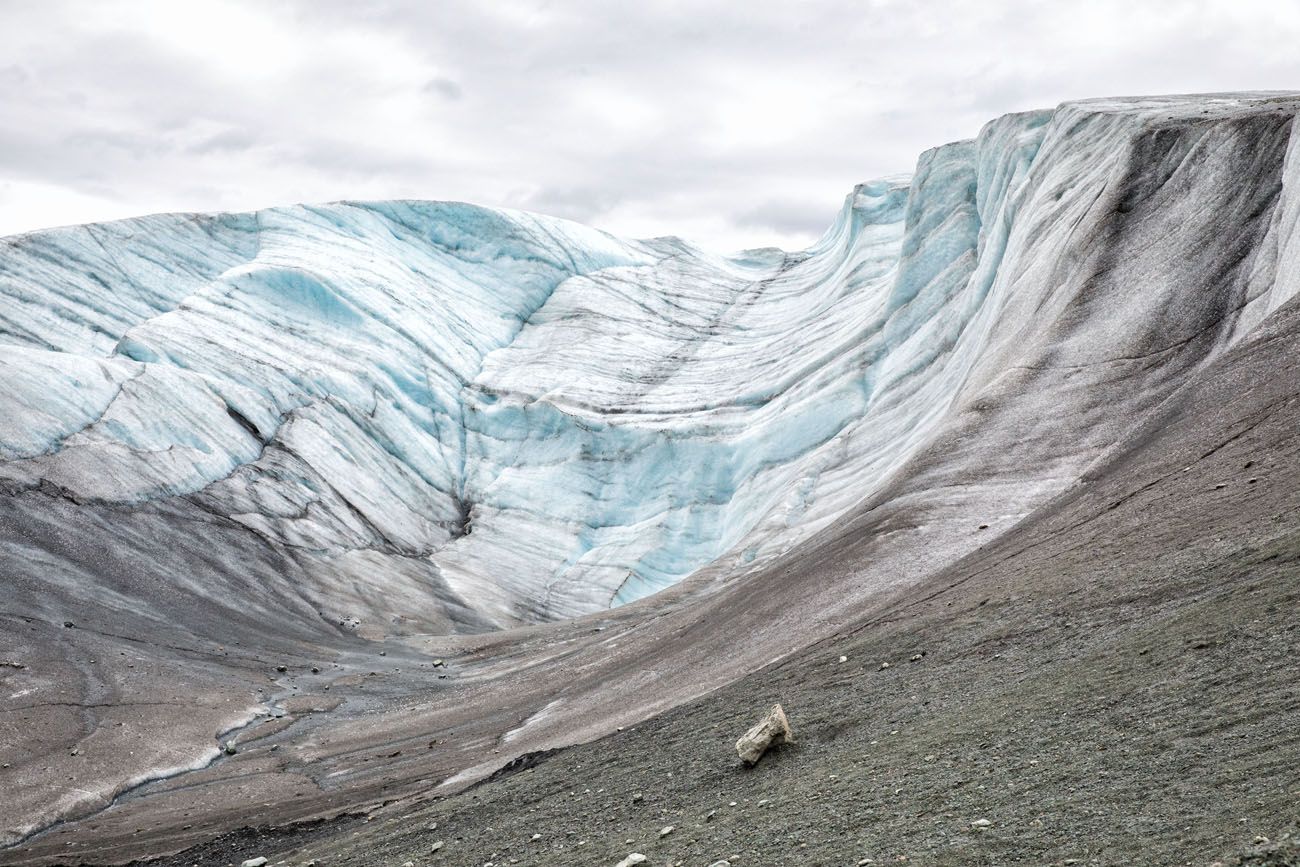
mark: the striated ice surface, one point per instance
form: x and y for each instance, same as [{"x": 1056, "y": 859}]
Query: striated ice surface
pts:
[{"x": 542, "y": 420}]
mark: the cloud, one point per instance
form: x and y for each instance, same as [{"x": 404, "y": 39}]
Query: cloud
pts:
[
  {"x": 737, "y": 124},
  {"x": 785, "y": 217},
  {"x": 445, "y": 88},
  {"x": 583, "y": 204},
  {"x": 226, "y": 141}
]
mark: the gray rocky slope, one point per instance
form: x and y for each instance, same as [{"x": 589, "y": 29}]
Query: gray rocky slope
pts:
[{"x": 1063, "y": 513}]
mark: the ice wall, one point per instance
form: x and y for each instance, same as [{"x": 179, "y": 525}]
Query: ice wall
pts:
[{"x": 547, "y": 420}]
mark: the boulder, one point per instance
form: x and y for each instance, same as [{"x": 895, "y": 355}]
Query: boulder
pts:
[{"x": 772, "y": 730}]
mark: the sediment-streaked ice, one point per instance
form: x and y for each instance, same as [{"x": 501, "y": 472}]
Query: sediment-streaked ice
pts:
[{"x": 550, "y": 420}]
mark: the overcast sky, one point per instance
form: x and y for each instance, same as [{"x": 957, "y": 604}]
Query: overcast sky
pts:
[{"x": 735, "y": 123}]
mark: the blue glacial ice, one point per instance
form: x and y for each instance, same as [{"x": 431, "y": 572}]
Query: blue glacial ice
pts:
[{"x": 553, "y": 420}]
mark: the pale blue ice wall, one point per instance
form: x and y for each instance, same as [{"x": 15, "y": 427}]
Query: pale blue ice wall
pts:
[{"x": 550, "y": 420}]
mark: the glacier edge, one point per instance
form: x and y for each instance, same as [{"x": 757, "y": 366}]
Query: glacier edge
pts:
[{"x": 549, "y": 420}]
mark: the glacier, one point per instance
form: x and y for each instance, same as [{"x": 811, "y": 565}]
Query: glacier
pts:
[
  {"x": 549, "y": 419},
  {"x": 430, "y": 422}
]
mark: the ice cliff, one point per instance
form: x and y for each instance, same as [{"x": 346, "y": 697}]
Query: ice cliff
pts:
[{"x": 459, "y": 418}]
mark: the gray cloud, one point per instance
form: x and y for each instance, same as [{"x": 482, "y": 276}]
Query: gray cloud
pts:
[
  {"x": 445, "y": 88},
  {"x": 735, "y": 124},
  {"x": 785, "y": 217},
  {"x": 226, "y": 141},
  {"x": 584, "y": 204}
]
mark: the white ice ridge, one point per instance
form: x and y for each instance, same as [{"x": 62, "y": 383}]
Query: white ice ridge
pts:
[{"x": 552, "y": 420}]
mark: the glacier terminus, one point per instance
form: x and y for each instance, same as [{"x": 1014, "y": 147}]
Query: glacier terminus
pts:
[{"x": 565, "y": 481}]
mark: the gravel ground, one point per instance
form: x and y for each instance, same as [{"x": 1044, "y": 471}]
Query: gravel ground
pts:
[
  {"x": 1163, "y": 736},
  {"x": 1113, "y": 683}
]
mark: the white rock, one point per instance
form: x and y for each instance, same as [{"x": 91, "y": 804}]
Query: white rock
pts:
[
  {"x": 254, "y": 862},
  {"x": 630, "y": 860},
  {"x": 772, "y": 730}
]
